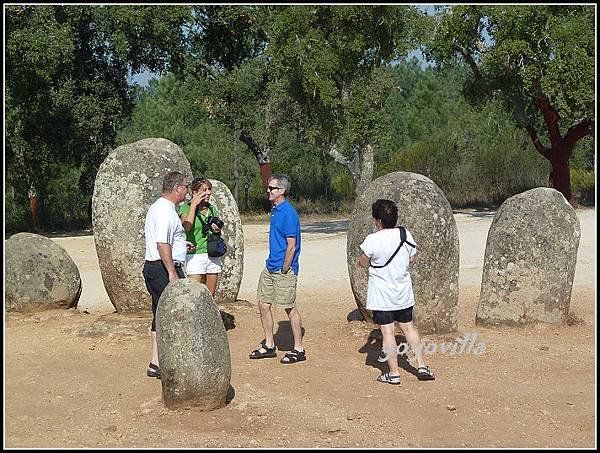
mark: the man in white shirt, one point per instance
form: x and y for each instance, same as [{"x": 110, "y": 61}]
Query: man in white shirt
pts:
[
  {"x": 390, "y": 294},
  {"x": 165, "y": 249}
]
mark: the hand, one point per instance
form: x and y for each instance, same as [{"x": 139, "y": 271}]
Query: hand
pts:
[
  {"x": 197, "y": 198},
  {"x": 205, "y": 196}
]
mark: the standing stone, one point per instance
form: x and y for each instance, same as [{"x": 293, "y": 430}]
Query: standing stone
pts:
[
  {"x": 128, "y": 182},
  {"x": 39, "y": 274},
  {"x": 530, "y": 258},
  {"x": 425, "y": 212},
  {"x": 193, "y": 350},
  {"x": 230, "y": 278}
]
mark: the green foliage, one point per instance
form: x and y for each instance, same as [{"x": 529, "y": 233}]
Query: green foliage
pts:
[
  {"x": 478, "y": 158},
  {"x": 66, "y": 84},
  {"x": 65, "y": 207},
  {"x": 519, "y": 53},
  {"x": 168, "y": 109}
]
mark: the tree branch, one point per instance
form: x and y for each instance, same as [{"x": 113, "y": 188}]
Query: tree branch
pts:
[
  {"x": 261, "y": 155},
  {"x": 537, "y": 143},
  {"x": 469, "y": 59},
  {"x": 577, "y": 132},
  {"x": 551, "y": 116}
]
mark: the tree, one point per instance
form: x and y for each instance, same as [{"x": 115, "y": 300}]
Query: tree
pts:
[
  {"x": 66, "y": 83},
  {"x": 538, "y": 60},
  {"x": 330, "y": 62},
  {"x": 229, "y": 74}
]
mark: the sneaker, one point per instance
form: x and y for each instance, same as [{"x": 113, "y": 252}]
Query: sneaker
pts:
[
  {"x": 389, "y": 379},
  {"x": 425, "y": 374}
]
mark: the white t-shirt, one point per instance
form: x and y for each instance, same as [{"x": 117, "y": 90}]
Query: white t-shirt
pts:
[
  {"x": 163, "y": 225},
  {"x": 390, "y": 287}
]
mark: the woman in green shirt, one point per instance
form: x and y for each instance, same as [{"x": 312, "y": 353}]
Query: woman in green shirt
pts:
[{"x": 194, "y": 216}]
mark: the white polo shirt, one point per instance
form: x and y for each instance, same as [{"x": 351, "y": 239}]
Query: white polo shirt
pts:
[
  {"x": 163, "y": 225},
  {"x": 390, "y": 287}
]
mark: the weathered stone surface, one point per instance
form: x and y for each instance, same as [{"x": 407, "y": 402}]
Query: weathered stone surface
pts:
[
  {"x": 425, "y": 212},
  {"x": 193, "y": 350},
  {"x": 230, "y": 279},
  {"x": 128, "y": 182},
  {"x": 39, "y": 274},
  {"x": 529, "y": 262}
]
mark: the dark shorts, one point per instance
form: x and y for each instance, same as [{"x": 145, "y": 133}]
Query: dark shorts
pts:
[
  {"x": 388, "y": 317},
  {"x": 157, "y": 279}
]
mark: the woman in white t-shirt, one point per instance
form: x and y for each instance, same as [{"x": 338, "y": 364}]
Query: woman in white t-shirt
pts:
[{"x": 390, "y": 294}]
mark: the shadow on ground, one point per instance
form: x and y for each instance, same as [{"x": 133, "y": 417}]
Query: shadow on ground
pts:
[
  {"x": 330, "y": 227},
  {"x": 372, "y": 348}
]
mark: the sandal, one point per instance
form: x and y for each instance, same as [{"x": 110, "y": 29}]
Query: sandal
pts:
[
  {"x": 389, "y": 379},
  {"x": 269, "y": 352},
  {"x": 154, "y": 371},
  {"x": 293, "y": 356},
  {"x": 425, "y": 374}
]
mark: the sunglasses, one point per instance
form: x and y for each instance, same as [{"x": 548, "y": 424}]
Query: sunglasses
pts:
[{"x": 270, "y": 188}]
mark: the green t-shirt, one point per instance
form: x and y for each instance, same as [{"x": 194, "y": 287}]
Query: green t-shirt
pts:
[{"x": 195, "y": 235}]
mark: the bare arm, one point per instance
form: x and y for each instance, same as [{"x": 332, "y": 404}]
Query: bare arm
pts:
[
  {"x": 363, "y": 260},
  {"x": 166, "y": 255},
  {"x": 289, "y": 254},
  {"x": 187, "y": 220}
]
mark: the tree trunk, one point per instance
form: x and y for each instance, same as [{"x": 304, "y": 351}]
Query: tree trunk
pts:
[
  {"x": 365, "y": 174},
  {"x": 360, "y": 166},
  {"x": 561, "y": 147},
  {"x": 261, "y": 155},
  {"x": 561, "y": 178}
]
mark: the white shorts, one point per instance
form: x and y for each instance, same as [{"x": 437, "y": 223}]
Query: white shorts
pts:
[{"x": 201, "y": 263}]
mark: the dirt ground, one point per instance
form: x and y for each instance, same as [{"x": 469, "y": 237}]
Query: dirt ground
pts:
[{"x": 76, "y": 378}]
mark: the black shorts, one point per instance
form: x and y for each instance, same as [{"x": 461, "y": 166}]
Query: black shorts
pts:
[
  {"x": 157, "y": 279},
  {"x": 388, "y": 317}
]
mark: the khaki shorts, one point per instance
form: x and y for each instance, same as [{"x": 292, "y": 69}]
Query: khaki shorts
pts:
[{"x": 277, "y": 288}]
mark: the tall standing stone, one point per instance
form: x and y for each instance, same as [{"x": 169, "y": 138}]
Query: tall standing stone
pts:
[
  {"x": 529, "y": 262},
  {"x": 193, "y": 350},
  {"x": 39, "y": 274},
  {"x": 128, "y": 182},
  {"x": 425, "y": 212},
  {"x": 230, "y": 278}
]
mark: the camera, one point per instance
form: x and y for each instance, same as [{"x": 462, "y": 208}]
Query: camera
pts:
[{"x": 207, "y": 227}]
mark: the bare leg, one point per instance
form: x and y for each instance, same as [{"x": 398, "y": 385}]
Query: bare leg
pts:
[
  {"x": 390, "y": 347},
  {"x": 414, "y": 340},
  {"x": 196, "y": 277},
  {"x": 296, "y": 323},
  {"x": 154, "y": 349},
  {"x": 211, "y": 283},
  {"x": 266, "y": 319}
]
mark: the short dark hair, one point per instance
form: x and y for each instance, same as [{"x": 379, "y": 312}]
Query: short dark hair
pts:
[{"x": 386, "y": 211}]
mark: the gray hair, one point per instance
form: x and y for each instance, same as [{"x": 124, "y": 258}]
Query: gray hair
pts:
[
  {"x": 283, "y": 181},
  {"x": 172, "y": 180}
]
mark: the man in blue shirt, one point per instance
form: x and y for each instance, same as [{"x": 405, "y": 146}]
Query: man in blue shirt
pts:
[{"x": 278, "y": 280}]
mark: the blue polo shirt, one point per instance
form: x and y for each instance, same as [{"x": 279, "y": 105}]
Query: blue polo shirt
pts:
[{"x": 284, "y": 223}]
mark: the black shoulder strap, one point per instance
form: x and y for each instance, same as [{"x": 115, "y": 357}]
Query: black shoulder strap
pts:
[{"x": 402, "y": 241}]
